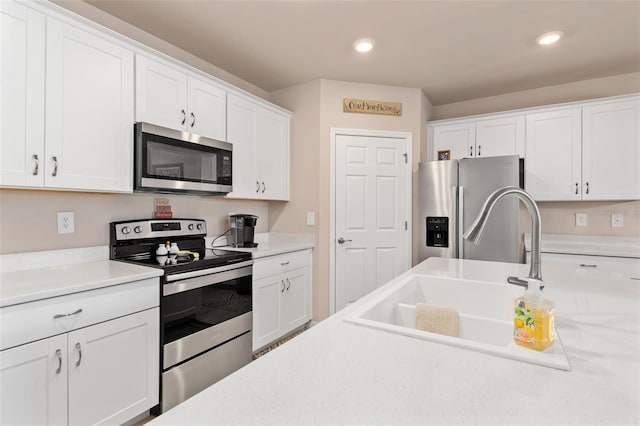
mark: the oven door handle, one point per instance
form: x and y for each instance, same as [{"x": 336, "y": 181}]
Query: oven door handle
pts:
[
  {"x": 199, "y": 272},
  {"x": 205, "y": 280}
]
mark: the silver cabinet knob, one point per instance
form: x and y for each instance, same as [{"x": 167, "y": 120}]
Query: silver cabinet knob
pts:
[
  {"x": 36, "y": 164},
  {"x": 193, "y": 119},
  {"x": 55, "y": 165},
  {"x": 342, "y": 240},
  {"x": 184, "y": 116}
]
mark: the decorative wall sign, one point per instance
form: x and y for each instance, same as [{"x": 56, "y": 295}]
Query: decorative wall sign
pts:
[
  {"x": 444, "y": 155},
  {"x": 371, "y": 107}
]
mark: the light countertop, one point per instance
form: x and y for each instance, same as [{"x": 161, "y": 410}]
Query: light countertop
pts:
[
  {"x": 592, "y": 245},
  {"x": 63, "y": 272},
  {"x": 339, "y": 373},
  {"x": 272, "y": 243}
]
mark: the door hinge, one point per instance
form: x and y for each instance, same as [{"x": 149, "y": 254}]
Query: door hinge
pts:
[
  {"x": 406, "y": 225},
  {"x": 406, "y": 158}
]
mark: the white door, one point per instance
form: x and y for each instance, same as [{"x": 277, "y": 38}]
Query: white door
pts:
[
  {"x": 553, "y": 164},
  {"x": 372, "y": 213},
  {"x": 458, "y": 139},
  {"x": 89, "y": 111},
  {"x": 33, "y": 383},
  {"x": 113, "y": 369},
  {"x": 22, "y": 58},
  {"x": 611, "y": 151},
  {"x": 207, "y": 110},
  {"x": 161, "y": 94},
  {"x": 500, "y": 136}
]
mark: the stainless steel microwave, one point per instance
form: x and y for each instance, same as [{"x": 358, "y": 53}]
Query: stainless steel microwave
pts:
[{"x": 168, "y": 160}]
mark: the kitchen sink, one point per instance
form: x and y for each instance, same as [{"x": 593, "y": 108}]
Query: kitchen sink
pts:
[{"x": 485, "y": 312}]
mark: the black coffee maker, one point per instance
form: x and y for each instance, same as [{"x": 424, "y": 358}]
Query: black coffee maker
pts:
[{"x": 242, "y": 229}]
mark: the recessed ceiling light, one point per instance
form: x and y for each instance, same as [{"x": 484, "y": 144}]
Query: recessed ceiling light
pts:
[
  {"x": 363, "y": 45},
  {"x": 549, "y": 38}
]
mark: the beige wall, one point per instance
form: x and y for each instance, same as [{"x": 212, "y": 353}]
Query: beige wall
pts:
[
  {"x": 317, "y": 107},
  {"x": 96, "y": 15},
  {"x": 28, "y": 219}
]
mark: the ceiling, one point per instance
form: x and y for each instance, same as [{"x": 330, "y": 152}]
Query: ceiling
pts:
[{"x": 453, "y": 50}]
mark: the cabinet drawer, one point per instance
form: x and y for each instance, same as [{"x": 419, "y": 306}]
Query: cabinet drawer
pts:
[
  {"x": 27, "y": 322},
  {"x": 272, "y": 265},
  {"x": 627, "y": 266}
]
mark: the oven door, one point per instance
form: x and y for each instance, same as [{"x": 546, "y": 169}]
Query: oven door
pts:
[
  {"x": 167, "y": 160},
  {"x": 202, "y": 312}
]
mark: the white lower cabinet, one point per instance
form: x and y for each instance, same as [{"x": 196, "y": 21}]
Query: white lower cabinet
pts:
[
  {"x": 626, "y": 266},
  {"x": 281, "y": 295},
  {"x": 105, "y": 373}
]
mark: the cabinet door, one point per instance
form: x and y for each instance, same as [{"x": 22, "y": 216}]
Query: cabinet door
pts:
[
  {"x": 33, "y": 383},
  {"x": 89, "y": 111},
  {"x": 207, "y": 105},
  {"x": 295, "y": 306},
  {"x": 114, "y": 369},
  {"x": 459, "y": 139},
  {"x": 272, "y": 155},
  {"x": 553, "y": 155},
  {"x": 500, "y": 136},
  {"x": 161, "y": 94},
  {"x": 611, "y": 151},
  {"x": 267, "y": 295},
  {"x": 241, "y": 132},
  {"x": 22, "y": 56}
]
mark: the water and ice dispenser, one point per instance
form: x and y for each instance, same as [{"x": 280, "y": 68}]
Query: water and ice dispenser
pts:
[{"x": 437, "y": 231}]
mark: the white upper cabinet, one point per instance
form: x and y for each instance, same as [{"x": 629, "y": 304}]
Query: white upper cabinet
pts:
[
  {"x": 169, "y": 97},
  {"x": 587, "y": 152},
  {"x": 22, "y": 56},
  {"x": 554, "y": 155},
  {"x": 260, "y": 138},
  {"x": 89, "y": 111},
  {"x": 611, "y": 151},
  {"x": 66, "y": 123},
  {"x": 486, "y": 137}
]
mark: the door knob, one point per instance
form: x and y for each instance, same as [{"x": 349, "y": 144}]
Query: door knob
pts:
[{"x": 342, "y": 240}]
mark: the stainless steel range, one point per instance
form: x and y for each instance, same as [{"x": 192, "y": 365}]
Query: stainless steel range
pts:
[{"x": 205, "y": 307}]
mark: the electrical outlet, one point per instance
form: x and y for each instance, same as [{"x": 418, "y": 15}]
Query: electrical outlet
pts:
[
  {"x": 581, "y": 219},
  {"x": 66, "y": 223},
  {"x": 617, "y": 220},
  {"x": 311, "y": 218}
]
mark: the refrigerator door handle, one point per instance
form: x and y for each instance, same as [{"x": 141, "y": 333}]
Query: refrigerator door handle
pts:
[{"x": 460, "y": 223}]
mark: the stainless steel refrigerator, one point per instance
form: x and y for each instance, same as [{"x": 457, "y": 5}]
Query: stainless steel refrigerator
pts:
[{"x": 451, "y": 194}]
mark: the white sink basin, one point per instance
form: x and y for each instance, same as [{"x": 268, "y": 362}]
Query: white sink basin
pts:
[{"x": 485, "y": 312}]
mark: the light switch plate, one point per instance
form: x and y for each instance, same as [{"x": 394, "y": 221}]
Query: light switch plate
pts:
[
  {"x": 581, "y": 219},
  {"x": 617, "y": 220},
  {"x": 66, "y": 223},
  {"x": 311, "y": 218}
]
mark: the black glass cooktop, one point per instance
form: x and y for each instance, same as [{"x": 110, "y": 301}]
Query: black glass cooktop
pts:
[{"x": 188, "y": 260}]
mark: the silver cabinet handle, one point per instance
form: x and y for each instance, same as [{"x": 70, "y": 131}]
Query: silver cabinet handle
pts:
[
  {"x": 59, "y": 356},
  {"x": 79, "y": 349},
  {"x": 284, "y": 263},
  {"x": 342, "y": 240},
  {"x": 587, "y": 187},
  {"x": 193, "y": 119},
  {"x": 588, "y": 265},
  {"x": 471, "y": 151},
  {"x": 288, "y": 284},
  {"x": 576, "y": 187},
  {"x": 76, "y": 312},
  {"x": 479, "y": 148},
  {"x": 263, "y": 187},
  {"x": 282, "y": 289},
  {"x": 36, "y": 164},
  {"x": 184, "y": 116},
  {"x": 55, "y": 165},
  {"x": 257, "y": 186}
]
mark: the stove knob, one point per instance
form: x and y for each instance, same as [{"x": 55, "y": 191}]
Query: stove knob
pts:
[
  {"x": 199, "y": 227},
  {"x": 126, "y": 230},
  {"x": 190, "y": 227},
  {"x": 137, "y": 229}
]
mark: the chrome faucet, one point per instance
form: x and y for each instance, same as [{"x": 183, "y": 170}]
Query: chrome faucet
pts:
[{"x": 474, "y": 232}]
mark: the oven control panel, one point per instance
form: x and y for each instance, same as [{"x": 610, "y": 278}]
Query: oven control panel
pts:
[{"x": 155, "y": 228}]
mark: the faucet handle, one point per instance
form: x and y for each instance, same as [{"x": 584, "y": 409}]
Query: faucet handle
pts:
[{"x": 523, "y": 282}]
